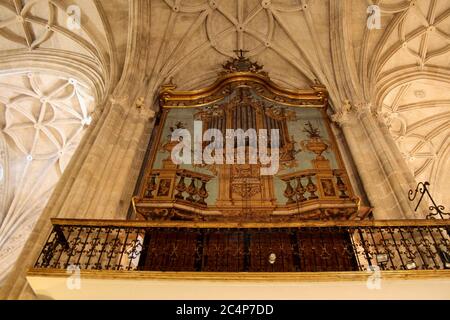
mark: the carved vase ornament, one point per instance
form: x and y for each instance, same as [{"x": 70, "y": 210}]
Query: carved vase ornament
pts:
[
  {"x": 169, "y": 144},
  {"x": 315, "y": 144}
]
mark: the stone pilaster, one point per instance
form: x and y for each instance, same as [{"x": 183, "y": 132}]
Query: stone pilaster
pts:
[
  {"x": 119, "y": 180},
  {"x": 350, "y": 165},
  {"x": 381, "y": 174},
  {"x": 406, "y": 180}
]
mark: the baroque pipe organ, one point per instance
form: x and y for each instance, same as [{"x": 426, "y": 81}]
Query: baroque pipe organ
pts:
[
  {"x": 310, "y": 181},
  {"x": 226, "y": 216}
]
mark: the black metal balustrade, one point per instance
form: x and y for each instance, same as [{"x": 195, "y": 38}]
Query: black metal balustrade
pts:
[
  {"x": 307, "y": 246},
  {"x": 435, "y": 210}
]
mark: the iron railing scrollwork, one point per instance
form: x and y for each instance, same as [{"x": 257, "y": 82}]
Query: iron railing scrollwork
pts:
[
  {"x": 345, "y": 246},
  {"x": 435, "y": 210}
]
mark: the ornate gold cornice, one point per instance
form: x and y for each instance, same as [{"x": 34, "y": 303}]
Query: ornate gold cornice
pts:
[
  {"x": 221, "y": 224},
  {"x": 248, "y": 74}
]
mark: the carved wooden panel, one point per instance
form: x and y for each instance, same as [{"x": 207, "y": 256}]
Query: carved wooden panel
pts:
[
  {"x": 263, "y": 244},
  {"x": 248, "y": 250},
  {"x": 223, "y": 251},
  {"x": 167, "y": 250},
  {"x": 325, "y": 251}
]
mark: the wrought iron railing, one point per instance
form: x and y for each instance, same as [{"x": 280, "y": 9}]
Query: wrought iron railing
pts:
[
  {"x": 296, "y": 247},
  {"x": 435, "y": 210}
]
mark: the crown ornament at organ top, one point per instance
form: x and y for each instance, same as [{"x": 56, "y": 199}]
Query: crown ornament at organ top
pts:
[
  {"x": 237, "y": 72},
  {"x": 242, "y": 64}
]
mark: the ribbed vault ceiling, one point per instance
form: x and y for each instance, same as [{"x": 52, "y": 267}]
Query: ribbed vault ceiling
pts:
[
  {"x": 46, "y": 105},
  {"x": 43, "y": 119}
]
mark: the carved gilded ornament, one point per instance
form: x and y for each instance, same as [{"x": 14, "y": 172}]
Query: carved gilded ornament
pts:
[{"x": 250, "y": 76}]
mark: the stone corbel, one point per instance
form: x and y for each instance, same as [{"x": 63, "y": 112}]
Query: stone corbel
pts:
[
  {"x": 352, "y": 112},
  {"x": 382, "y": 117},
  {"x": 363, "y": 108},
  {"x": 345, "y": 115},
  {"x": 143, "y": 110},
  {"x": 385, "y": 118}
]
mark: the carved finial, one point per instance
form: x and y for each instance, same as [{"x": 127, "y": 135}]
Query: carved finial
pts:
[
  {"x": 240, "y": 53},
  {"x": 169, "y": 85},
  {"x": 242, "y": 64}
]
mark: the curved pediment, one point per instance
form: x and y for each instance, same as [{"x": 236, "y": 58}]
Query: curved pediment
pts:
[{"x": 241, "y": 72}]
